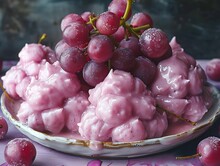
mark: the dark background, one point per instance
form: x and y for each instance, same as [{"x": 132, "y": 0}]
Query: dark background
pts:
[{"x": 195, "y": 23}]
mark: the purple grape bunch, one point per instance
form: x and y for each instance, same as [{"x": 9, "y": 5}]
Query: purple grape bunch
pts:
[{"x": 93, "y": 44}]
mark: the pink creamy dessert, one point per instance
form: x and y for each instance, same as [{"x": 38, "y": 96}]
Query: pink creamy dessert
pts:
[
  {"x": 179, "y": 85},
  {"x": 120, "y": 108},
  {"x": 51, "y": 98}
]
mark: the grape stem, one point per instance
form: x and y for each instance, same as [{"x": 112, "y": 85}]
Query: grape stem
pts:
[
  {"x": 92, "y": 22},
  {"x": 143, "y": 27},
  {"x": 179, "y": 117},
  {"x": 127, "y": 11},
  {"x": 188, "y": 157},
  {"x": 131, "y": 30},
  {"x": 128, "y": 27},
  {"x": 43, "y": 37}
]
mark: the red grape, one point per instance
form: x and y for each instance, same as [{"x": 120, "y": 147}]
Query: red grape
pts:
[
  {"x": 118, "y": 7},
  {"x": 94, "y": 73},
  {"x": 100, "y": 48},
  {"x": 107, "y": 23},
  {"x": 119, "y": 34},
  {"x": 140, "y": 19},
  {"x": 209, "y": 151},
  {"x": 51, "y": 56},
  {"x": 213, "y": 69},
  {"x": 123, "y": 59},
  {"x": 76, "y": 35},
  {"x": 165, "y": 56},
  {"x": 154, "y": 43},
  {"x": 72, "y": 60},
  {"x": 95, "y": 163},
  {"x": 69, "y": 19},
  {"x": 20, "y": 152},
  {"x": 131, "y": 43},
  {"x": 3, "y": 127},
  {"x": 86, "y": 16},
  {"x": 84, "y": 85},
  {"x": 145, "y": 70},
  {"x": 60, "y": 47}
]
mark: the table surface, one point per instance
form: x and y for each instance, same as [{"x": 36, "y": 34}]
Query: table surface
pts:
[{"x": 49, "y": 157}]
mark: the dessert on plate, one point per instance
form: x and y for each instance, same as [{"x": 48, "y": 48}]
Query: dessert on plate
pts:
[{"x": 108, "y": 80}]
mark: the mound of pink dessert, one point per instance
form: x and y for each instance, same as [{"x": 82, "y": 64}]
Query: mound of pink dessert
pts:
[
  {"x": 51, "y": 98},
  {"x": 121, "y": 108},
  {"x": 180, "y": 85}
]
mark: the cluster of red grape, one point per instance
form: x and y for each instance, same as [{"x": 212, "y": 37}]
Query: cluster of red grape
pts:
[{"x": 94, "y": 44}]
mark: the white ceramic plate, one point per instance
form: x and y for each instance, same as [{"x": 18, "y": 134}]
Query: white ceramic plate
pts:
[{"x": 114, "y": 149}]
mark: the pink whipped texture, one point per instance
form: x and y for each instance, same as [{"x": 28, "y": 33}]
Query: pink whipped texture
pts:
[
  {"x": 180, "y": 85},
  {"x": 52, "y": 98},
  {"x": 120, "y": 108}
]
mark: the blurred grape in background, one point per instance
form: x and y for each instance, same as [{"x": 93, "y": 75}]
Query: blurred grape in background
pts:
[{"x": 195, "y": 23}]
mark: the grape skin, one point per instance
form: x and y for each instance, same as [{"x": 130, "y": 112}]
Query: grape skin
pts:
[
  {"x": 94, "y": 73},
  {"x": 145, "y": 70},
  {"x": 100, "y": 48},
  {"x": 86, "y": 16},
  {"x": 213, "y": 69},
  {"x": 140, "y": 19},
  {"x": 154, "y": 43},
  {"x": 166, "y": 55},
  {"x": 131, "y": 43},
  {"x": 119, "y": 34},
  {"x": 69, "y": 19},
  {"x": 209, "y": 149},
  {"x": 76, "y": 35},
  {"x": 20, "y": 152},
  {"x": 60, "y": 47},
  {"x": 118, "y": 7},
  {"x": 107, "y": 23},
  {"x": 123, "y": 59},
  {"x": 3, "y": 127},
  {"x": 51, "y": 56},
  {"x": 72, "y": 60}
]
